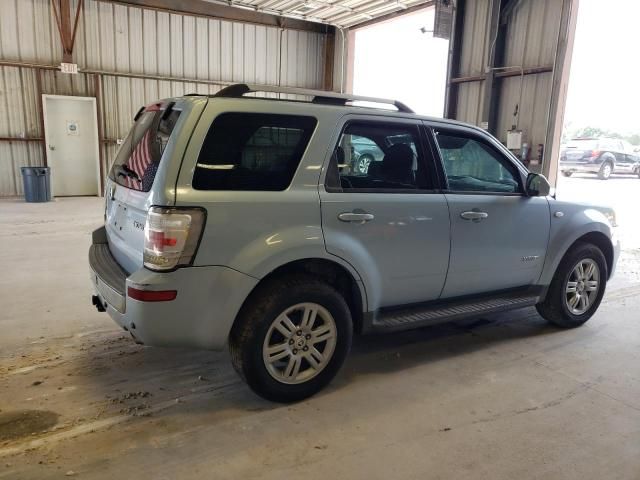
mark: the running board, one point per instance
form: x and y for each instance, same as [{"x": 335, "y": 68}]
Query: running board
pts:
[{"x": 405, "y": 318}]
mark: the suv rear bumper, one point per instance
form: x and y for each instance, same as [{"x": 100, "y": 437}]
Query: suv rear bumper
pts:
[
  {"x": 579, "y": 167},
  {"x": 201, "y": 315}
]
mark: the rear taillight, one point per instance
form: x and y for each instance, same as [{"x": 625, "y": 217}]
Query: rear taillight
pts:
[
  {"x": 152, "y": 295},
  {"x": 595, "y": 153},
  {"x": 171, "y": 237}
]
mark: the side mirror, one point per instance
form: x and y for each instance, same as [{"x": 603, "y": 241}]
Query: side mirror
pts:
[{"x": 537, "y": 185}]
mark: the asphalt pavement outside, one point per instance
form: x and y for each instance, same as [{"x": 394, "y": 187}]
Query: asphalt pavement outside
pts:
[{"x": 501, "y": 397}]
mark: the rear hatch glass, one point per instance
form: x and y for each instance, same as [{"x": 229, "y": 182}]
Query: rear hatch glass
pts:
[
  {"x": 134, "y": 171},
  {"x": 139, "y": 156},
  {"x": 583, "y": 144},
  {"x": 576, "y": 149}
]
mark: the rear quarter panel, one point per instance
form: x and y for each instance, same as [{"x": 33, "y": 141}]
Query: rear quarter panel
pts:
[{"x": 256, "y": 232}]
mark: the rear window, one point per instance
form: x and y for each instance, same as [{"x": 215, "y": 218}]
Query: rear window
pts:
[
  {"x": 139, "y": 156},
  {"x": 252, "y": 151},
  {"x": 586, "y": 144}
]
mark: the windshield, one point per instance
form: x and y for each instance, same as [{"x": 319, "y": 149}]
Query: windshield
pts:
[{"x": 139, "y": 156}]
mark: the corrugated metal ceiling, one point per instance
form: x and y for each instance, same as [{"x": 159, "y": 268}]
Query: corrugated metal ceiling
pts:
[{"x": 341, "y": 13}]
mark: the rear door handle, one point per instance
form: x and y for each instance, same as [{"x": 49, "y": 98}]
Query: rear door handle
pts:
[
  {"x": 355, "y": 217},
  {"x": 474, "y": 215}
]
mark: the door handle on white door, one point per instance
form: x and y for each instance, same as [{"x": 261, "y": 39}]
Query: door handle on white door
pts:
[
  {"x": 474, "y": 215},
  {"x": 355, "y": 217},
  {"x": 52, "y": 147}
]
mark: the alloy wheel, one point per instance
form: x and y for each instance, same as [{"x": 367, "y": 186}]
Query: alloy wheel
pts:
[
  {"x": 363, "y": 164},
  {"x": 299, "y": 343},
  {"x": 582, "y": 286}
]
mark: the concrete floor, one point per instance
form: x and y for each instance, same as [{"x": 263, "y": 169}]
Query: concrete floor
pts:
[{"x": 500, "y": 397}]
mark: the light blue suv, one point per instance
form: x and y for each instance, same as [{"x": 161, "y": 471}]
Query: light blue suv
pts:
[{"x": 235, "y": 219}]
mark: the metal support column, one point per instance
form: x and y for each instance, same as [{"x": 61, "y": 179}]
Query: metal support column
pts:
[
  {"x": 455, "y": 53},
  {"x": 329, "y": 54},
  {"x": 97, "y": 91},
  {"x": 495, "y": 54},
  {"x": 39, "y": 92}
]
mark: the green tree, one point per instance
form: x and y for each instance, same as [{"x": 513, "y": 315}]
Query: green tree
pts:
[
  {"x": 633, "y": 139},
  {"x": 571, "y": 131}
]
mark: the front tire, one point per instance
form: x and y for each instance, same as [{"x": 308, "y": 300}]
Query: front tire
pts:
[
  {"x": 577, "y": 287},
  {"x": 291, "y": 338},
  {"x": 567, "y": 173}
]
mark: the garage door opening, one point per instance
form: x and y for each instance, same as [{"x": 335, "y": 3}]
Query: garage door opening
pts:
[
  {"x": 599, "y": 158},
  {"x": 593, "y": 109},
  {"x": 401, "y": 59}
]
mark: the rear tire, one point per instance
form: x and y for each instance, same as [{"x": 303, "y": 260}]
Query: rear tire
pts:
[
  {"x": 281, "y": 348},
  {"x": 606, "y": 169},
  {"x": 571, "y": 299},
  {"x": 567, "y": 173}
]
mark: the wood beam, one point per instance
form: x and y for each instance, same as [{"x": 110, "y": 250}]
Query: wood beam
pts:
[
  {"x": 67, "y": 32},
  {"x": 208, "y": 9},
  {"x": 505, "y": 74},
  {"x": 75, "y": 24},
  {"x": 21, "y": 139}
]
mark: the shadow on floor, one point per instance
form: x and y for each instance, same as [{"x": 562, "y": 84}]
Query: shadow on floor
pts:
[{"x": 207, "y": 381}]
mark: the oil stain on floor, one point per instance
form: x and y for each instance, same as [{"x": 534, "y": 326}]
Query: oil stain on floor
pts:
[{"x": 23, "y": 423}]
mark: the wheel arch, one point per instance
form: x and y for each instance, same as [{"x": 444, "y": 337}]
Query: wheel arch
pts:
[
  {"x": 608, "y": 157},
  {"x": 593, "y": 237},
  {"x": 579, "y": 224},
  {"x": 601, "y": 241},
  {"x": 329, "y": 271}
]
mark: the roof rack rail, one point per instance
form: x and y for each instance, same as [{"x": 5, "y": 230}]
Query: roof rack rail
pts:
[{"x": 318, "y": 96}]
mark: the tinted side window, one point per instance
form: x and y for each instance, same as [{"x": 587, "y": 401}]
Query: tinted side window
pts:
[
  {"x": 473, "y": 166},
  {"x": 376, "y": 156},
  {"x": 252, "y": 151},
  {"x": 142, "y": 150}
]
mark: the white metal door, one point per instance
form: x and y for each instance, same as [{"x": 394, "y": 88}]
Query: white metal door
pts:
[{"x": 71, "y": 135}]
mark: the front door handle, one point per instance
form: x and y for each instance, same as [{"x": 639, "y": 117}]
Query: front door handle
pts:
[
  {"x": 355, "y": 217},
  {"x": 474, "y": 215}
]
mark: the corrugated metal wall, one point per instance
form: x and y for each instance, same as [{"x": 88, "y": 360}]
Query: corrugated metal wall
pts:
[
  {"x": 532, "y": 36},
  {"x": 132, "y": 40},
  {"x": 531, "y": 39},
  {"x": 473, "y": 58}
]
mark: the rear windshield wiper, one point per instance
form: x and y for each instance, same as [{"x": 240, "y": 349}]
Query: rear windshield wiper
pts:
[{"x": 125, "y": 171}]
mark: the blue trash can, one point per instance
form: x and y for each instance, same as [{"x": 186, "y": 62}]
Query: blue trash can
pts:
[{"x": 37, "y": 183}]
